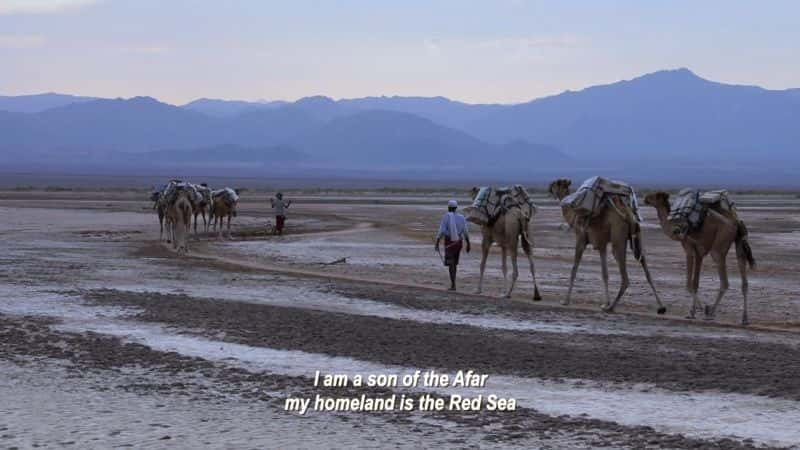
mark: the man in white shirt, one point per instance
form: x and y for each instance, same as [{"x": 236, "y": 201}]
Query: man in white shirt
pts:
[
  {"x": 454, "y": 230},
  {"x": 280, "y": 206}
]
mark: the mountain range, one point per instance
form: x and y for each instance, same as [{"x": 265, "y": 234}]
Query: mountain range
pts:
[{"x": 670, "y": 119}]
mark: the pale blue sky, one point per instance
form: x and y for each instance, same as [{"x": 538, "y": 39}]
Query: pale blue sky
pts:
[{"x": 471, "y": 50}]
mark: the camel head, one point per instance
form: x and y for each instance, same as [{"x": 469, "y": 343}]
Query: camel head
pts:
[
  {"x": 473, "y": 192},
  {"x": 560, "y": 188},
  {"x": 674, "y": 228},
  {"x": 657, "y": 199}
]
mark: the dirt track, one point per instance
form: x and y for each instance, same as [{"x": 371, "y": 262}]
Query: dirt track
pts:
[{"x": 96, "y": 267}]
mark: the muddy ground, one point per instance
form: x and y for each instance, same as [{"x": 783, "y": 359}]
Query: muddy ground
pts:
[{"x": 103, "y": 327}]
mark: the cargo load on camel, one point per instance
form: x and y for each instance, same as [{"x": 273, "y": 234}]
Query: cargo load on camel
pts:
[
  {"x": 228, "y": 195},
  {"x": 491, "y": 203},
  {"x": 170, "y": 192},
  {"x": 204, "y": 191},
  {"x": 595, "y": 193},
  {"x": 154, "y": 196},
  {"x": 690, "y": 207},
  {"x": 157, "y": 194}
]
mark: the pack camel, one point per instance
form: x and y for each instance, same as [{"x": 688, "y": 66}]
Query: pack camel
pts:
[
  {"x": 706, "y": 224},
  {"x": 504, "y": 215},
  {"x": 604, "y": 212},
  {"x": 224, "y": 203}
]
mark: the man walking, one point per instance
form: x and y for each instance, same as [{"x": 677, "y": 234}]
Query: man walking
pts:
[
  {"x": 280, "y": 206},
  {"x": 454, "y": 230}
]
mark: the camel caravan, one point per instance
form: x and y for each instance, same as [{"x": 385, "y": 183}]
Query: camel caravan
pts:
[
  {"x": 600, "y": 213},
  {"x": 178, "y": 202}
]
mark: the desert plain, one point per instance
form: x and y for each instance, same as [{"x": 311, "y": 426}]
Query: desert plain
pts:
[{"x": 108, "y": 338}]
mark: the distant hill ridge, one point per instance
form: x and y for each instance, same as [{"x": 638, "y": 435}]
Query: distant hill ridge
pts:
[{"x": 670, "y": 118}]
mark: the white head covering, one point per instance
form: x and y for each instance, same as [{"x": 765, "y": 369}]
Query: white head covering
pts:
[{"x": 451, "y": 218}]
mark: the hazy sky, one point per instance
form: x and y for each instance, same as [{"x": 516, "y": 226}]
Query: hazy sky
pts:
[{"x": 475, "y": 51}]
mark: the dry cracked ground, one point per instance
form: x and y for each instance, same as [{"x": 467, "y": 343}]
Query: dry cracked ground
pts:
[{"x": 109, "y": 339}]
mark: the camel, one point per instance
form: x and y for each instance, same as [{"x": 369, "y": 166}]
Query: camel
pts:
[
  {"x": 160, "y": 206},
  {"x": 508, "y": 231},
  {"x": 202, "y": 206},
  {"x": 617, "y": 225},
  {"x": 161, "y": 209},
  {"x": 719, "y": 230},
  {"x": 222, "y": 207},
  {"x": 179, "y": 214}
]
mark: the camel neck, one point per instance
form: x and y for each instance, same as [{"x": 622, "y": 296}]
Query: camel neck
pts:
[
  {"x": 568, "y": 213},
  {"x": 663, "y": 216}
]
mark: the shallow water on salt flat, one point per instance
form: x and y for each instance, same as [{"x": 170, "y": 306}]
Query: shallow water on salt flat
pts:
[{"x": 284, "y": 291}]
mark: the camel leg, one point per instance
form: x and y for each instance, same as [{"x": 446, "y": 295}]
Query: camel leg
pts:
[
  {"x": 719, "y": 258},
  {"x": 742, "y": 261},
  {"x": 620, "y": 254},
  {"x": 486, "y": 246},
  {"x": 187, "y": 229},
  {"x": 195, "y": 222},
  {"x": 181, "y": 230},
  {"x": 514, "y": 271},
  {"x": 580, "y": 245},
  {"x": 661, "y": 308},
  {"x": 536, "y": 295},
  {"x": 230, "y": 236},
  {"x": 205, "y": 223},
  {"x": 604, "y": 270},
  {"x": 179, "y": 237},
  {"x": 697, "y": 305},
  {"x": 690, "y": 279},
  {"x": 504, "y": 266}
]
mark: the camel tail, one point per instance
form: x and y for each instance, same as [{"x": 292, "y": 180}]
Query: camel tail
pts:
[
  {"x": 743, "y": 244},
  {"x": 636, "y": 241},
  {"x": 526, "y": 242},
  {"x": 635, "y": 234},
  {"x": 634, "y": 229},
  {"x": 186, "y": 211}
]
